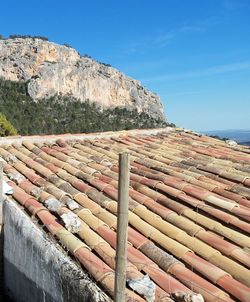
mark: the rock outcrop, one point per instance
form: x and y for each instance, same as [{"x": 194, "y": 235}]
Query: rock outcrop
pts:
[{"x": 52, "y": 69}]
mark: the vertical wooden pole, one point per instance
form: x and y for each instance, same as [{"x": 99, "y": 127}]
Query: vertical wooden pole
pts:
[
  {"x": 122, "y": 228},
  {"x": 1, "y": 234}
]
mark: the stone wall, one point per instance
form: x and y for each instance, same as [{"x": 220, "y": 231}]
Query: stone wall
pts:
[{"x": 1, "y": 253}]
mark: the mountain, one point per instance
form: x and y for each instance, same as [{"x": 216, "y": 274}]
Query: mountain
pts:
[{"x": 50, "y": 69}]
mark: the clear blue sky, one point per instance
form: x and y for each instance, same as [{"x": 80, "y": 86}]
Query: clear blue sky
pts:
[{"x": 194, "y": 54}]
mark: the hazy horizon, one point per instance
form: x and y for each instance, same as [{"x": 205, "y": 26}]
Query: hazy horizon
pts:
[
  {"x": 247, "y": 130},
  {"x": 240, "y": 135}
]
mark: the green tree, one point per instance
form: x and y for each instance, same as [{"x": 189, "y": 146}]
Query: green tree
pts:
[
  {"x": 65, "y": 114},
  {"x": 6, "y": 127}
]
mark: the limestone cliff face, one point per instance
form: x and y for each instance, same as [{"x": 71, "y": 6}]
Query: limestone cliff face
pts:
[{"x": 55, "y": 69}]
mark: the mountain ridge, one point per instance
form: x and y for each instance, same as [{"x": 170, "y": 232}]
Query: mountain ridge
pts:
[{"x": 51, "y": 69}]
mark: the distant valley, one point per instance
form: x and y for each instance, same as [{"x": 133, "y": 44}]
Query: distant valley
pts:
[{"x": 240, "y": 136}]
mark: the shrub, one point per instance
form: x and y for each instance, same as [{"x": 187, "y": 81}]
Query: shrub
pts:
[
  {"x": 6, "y": 128},
  {"x": 28, "y": 37},
  {"x": 67, "y": 45}
]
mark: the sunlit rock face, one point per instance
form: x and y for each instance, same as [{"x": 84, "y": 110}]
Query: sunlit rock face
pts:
[{"x": 52, "y": 69}]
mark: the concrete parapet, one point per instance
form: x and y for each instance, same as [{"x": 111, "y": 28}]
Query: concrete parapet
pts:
[
  {"x": 1, "y": 253},
  {"x": 36, "y": 268}
]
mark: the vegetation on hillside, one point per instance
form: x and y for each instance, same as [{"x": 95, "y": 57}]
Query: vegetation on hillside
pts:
[
  {"x": 24, "y": 37},
  {"x": 64, "y": 114},
  {"x": 6, "y": 128}
]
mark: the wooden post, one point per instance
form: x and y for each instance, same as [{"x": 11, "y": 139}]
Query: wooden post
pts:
[
  {"x": 122, "y": 228},
  {"x": 1, "y": 234}
]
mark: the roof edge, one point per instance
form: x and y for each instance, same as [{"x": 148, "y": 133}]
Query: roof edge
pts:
[{"x": 82, "y": 136}]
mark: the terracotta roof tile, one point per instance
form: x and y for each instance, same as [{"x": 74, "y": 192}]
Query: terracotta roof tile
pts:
[{"x": 189, "y": 206}]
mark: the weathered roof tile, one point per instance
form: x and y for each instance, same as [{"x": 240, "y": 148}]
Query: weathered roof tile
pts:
[{"x": 189, "y": 199}]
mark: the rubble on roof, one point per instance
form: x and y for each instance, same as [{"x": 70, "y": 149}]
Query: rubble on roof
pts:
[{"x": 7, "y": 189}]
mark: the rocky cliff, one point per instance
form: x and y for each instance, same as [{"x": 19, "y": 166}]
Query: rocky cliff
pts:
[{"x": 52, "y": 69}]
